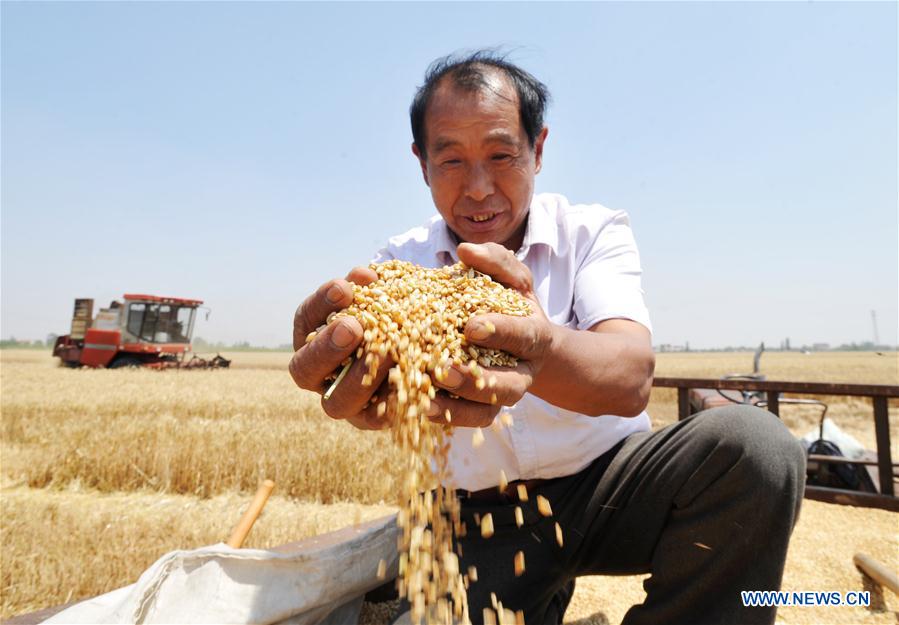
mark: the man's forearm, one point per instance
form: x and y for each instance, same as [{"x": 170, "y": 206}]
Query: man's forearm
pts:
[{"x": 596, "y": 373}]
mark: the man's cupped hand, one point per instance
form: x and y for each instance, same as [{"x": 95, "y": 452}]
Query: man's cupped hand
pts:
[
  {"x": 527, "y": 338},
  {"x": 312, "y": 362}
]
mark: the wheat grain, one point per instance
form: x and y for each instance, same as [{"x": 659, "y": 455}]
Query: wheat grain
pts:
[
  {"x": 543, "y": 506},
  {"x": 417, "y": 317}
]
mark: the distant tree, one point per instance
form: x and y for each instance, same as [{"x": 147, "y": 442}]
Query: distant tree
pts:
[
  {"x": 867, "y": 346},
  {"x": 14, "y": 343}
]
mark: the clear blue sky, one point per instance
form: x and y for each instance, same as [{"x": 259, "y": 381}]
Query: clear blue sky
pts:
[{"x": 243, "y": 153}]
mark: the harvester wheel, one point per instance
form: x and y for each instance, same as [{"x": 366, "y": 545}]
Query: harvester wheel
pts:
[{"x": 125, "y": 361}]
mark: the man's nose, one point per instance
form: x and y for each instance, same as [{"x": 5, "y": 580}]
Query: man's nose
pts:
[{"x": 479, "y": 182}]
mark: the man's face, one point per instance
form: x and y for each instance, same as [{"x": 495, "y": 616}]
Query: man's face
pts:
[{"x": 479, "y": 165}]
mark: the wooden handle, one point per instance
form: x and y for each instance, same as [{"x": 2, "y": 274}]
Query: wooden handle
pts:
[
  {"x": 876, "y": 571},
  {"x": 249, "y": 517}
]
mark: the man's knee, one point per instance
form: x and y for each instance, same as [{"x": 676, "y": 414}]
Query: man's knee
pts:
[{"x": 764, "y": 452}]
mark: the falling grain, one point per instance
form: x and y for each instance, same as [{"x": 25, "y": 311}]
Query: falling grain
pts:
[
  {"x": 519, "y": 564},
  {"x": 417, "y": 316},
  {"x": 543, "y": 506},
  {"x": 487, "y": 526},
  {"x": 522, "y": 492}
]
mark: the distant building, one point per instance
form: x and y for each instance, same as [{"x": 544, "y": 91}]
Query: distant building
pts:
[{"x": 668, "y": 347}]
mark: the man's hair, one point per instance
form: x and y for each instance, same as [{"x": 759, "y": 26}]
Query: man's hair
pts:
[{"x": 470, "y": 73}]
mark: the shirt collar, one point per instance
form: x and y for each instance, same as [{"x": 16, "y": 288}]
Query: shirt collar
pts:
[
  {"x": 445, "y": 241},
  {"x": 541, "y": 229}
]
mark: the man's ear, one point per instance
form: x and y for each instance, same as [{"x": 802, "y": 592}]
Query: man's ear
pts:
[
  {"x": 538, "y": 149},
  {"x": 422, "y": 162}
]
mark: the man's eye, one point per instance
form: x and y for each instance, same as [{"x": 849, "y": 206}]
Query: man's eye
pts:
[
  {"x": 451, "y": 162},
  {"x": 501, "y": 157}
]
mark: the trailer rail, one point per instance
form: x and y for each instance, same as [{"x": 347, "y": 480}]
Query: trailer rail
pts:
[{"x": 879, "y": 394}]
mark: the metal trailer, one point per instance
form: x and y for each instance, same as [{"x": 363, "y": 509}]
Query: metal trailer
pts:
[{"x": 693, "y": 393}]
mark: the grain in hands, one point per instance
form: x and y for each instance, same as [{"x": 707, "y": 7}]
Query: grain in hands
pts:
[{"x": 416, "y": 317}]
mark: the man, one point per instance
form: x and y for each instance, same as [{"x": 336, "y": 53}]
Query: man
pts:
[{"x": 706, "y": 505}]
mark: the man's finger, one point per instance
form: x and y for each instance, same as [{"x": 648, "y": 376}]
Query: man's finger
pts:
[
  {"x": 330, "y": 297},
  {"x": 524, "y": 337},
  {"x": 362, "y": 275},
  {"x": 463, "y": 413},
  {"x": 499, "y": 386},
  {"x": 368, "y": 419},
  {"x": 351, "y": 394},
  {"x": 313, "y": 362},
  {"x": 499, "y": 263}
]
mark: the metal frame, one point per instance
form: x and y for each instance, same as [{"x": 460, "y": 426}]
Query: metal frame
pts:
[{"x": 879, "y": 394}]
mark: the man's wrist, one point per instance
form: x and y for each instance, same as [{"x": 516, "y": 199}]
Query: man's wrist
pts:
[{"x": 555, "y": 343}]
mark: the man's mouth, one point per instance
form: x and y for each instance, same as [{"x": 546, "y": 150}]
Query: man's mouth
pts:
[{"x": 482, "y": 218}]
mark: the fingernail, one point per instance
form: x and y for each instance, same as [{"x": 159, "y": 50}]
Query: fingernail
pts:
[
  {"x": 480, "y": 330},
  {"x": 433, "y": 410},
  {"x": 342, "y": 336},
  {"x": 334, "y": 294},
  {"x": 453, "y": 378}
]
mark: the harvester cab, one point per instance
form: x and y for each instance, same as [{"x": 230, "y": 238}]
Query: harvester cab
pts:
[{"x": 140, "y": 330}]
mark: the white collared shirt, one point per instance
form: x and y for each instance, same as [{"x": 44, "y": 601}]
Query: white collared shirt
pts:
[{"x": 586, "y": 269}]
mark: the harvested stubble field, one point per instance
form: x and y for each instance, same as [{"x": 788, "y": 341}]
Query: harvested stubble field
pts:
[{"x": 103, "y": 471}]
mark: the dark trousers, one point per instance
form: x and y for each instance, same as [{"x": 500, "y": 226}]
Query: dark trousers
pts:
[{"x": 706, "y": 506}]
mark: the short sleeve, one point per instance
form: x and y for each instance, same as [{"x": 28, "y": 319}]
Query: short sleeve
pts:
[
  {"x": 382, "y": 255},
  {"x": 607, "y": 283}
]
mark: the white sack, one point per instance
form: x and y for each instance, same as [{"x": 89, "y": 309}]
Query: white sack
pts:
[
  {"x": 309, "y": 585},
  {"x": 848, "y": 444}
]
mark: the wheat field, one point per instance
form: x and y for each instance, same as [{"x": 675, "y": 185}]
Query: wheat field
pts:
[{"x": 103, "y": 471}]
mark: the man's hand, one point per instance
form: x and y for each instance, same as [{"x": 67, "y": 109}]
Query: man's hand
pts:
[
  {"x": 527, "y": 338},
  {"x": 312, "y": 362},
  {"x": 606, "y": 369}
]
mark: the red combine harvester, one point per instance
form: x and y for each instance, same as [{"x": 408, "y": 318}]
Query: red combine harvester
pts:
[{"x": 144, "y": 331}]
